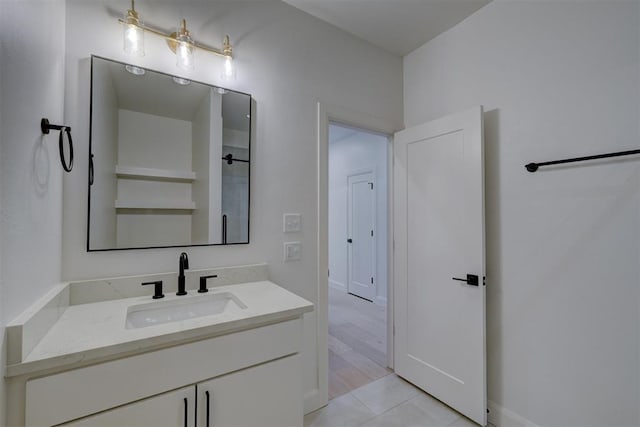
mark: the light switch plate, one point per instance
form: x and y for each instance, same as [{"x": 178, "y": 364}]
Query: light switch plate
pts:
[
  {"x": 292, "y": 251},
  {"x": 292, "y": 223}
]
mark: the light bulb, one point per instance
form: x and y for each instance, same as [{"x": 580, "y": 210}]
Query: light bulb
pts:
[
  {"x": 133, "y": 35},
  {"x": 184, "y": 55},
  {"x": 229, "y": 71}
]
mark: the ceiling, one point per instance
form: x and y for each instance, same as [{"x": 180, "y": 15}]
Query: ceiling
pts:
[
  {"x": 397, "y": 26},
  {"x": 338, "y": 133}
]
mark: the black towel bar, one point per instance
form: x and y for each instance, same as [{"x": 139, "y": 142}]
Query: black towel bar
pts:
[{"x": 532, "y": 167}]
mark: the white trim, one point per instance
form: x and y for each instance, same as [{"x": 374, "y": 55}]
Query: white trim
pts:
[
  {"x": 502, "y": 417},
  {"x": 327, "y": 113},
  {"x": 338, "y": 285},
  {"x": 390, "y": 256},
  {"x": 322, "y": 276}
]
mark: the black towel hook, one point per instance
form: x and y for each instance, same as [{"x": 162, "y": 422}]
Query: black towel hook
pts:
[{"x": 46, "y": 127}]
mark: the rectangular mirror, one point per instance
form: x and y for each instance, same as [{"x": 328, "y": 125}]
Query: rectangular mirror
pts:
[{"x": 169, "y": 160}]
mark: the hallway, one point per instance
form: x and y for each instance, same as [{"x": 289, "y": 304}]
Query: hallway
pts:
[{"x": 357, "y": 342}]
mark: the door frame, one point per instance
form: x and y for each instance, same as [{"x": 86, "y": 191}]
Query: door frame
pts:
[
  {"x": 361, "y": 121},
  {"x": 372, "y": 170}
]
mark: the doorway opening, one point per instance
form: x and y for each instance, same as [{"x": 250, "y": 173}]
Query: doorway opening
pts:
[{"x": 358, "y": 200}]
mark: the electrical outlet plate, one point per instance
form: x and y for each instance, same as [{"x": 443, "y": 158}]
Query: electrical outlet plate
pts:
[
  {"x": 291, "y": 223},
  {"x": 292, "y": 251}
]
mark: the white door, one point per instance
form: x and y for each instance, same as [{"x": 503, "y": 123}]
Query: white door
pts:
[
  {"x": 439, "y": 236},
  {"x": 361, "y": 240}
]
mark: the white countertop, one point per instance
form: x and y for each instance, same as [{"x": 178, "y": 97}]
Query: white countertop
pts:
[{"x": 95, "y": 332}]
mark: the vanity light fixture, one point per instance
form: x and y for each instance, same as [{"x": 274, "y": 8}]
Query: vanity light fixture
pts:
[{"x": 180, "y": 42}]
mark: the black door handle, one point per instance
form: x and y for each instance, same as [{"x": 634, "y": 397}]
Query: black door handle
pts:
[
  {"x": 349, "y": 240},
  {"x": 471, "y": 280}
]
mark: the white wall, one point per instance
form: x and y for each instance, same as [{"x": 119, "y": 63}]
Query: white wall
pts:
[
  {"x": 105, "y": 150},
  {"x": 557, "y": 79},
  {"x": 288, "y": 61},
  {"x": 31, "y": 87},
  {"x": 204, "y": 125},
  {"x": 150, "y": 141},
  {"x": 3, "y": 19},
  {"x": 356, "y": 152}
]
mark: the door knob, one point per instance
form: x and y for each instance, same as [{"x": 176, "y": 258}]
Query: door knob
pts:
[
  {"x": 471, "y": 280},
  {"x": 349, "y": 240}
]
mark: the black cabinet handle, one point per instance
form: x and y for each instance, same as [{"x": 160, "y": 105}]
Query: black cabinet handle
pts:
[
  {"x": 471, "y": 280},
  {"x": 349, "y": 240},
  {"x": 185, "y": 411},
  {"x": 208, "y": 398},
  {"x": 91, "y": 173}
]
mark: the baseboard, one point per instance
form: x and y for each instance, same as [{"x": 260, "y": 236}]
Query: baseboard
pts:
[
  {"x": 502, "y": 417},
  {"x": 337, "y": 285},
  {"x": 380, "y": 301},
  {"x": 313, "y": 401}
]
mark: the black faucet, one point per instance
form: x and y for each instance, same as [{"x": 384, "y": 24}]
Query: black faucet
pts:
[{"x": 184, "y": 265}]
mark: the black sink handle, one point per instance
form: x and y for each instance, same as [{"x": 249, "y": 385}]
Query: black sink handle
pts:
[
  {"x": 203, "y": 283},
  {"x": 157, "y": 290}
]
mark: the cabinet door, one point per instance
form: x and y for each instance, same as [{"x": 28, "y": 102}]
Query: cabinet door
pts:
[
  {"x": 266, "y": 395},
  {"x": 172, "y": 409}
]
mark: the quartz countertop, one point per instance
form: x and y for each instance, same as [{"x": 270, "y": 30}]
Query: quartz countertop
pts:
[{"x": 95, "y": 332}]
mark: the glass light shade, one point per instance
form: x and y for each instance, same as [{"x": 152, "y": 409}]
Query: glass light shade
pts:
[
  {"x": 133, "y": 35},
  {"x": 229, "y": 71},
  {"x": 185, "y": 54},
  {"x": 181, "y": 81},
  {"x": 137, "y": 71}
]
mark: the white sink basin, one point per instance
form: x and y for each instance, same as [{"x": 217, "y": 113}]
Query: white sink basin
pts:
[{"x": 183, "y": 308}]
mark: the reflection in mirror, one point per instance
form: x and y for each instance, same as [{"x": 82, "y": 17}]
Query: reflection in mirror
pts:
[{"x": 169, "y": 160}]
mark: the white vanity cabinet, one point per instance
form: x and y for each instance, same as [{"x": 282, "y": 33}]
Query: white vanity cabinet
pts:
[
  {"x": 73, "y": 359},
  {"x": 262, "y": 396},
  {"x": 266, "y": 395},
  {"x": 253, "y": 378}
]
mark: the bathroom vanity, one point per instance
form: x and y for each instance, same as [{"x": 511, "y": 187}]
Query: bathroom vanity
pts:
[{"x": 104, "y": 353}]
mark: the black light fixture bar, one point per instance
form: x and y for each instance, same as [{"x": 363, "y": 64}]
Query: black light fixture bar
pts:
[{"x": 532, "y": 167}]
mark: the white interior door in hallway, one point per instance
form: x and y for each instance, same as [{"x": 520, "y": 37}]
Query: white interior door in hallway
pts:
[
  {"x": 358, "y": 158},
  {"x": 439, "y": 239},
  {"x": 361, "y": 240}
]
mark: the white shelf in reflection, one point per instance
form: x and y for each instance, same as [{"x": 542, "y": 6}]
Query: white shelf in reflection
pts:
[
  {"x": 155, "y": 174},
  {"x": 157, "y": 205}
]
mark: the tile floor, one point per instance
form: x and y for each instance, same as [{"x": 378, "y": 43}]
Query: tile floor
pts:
[
  {"x": 362, "y": 391},
  {"x": 387, "y": 402}
]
